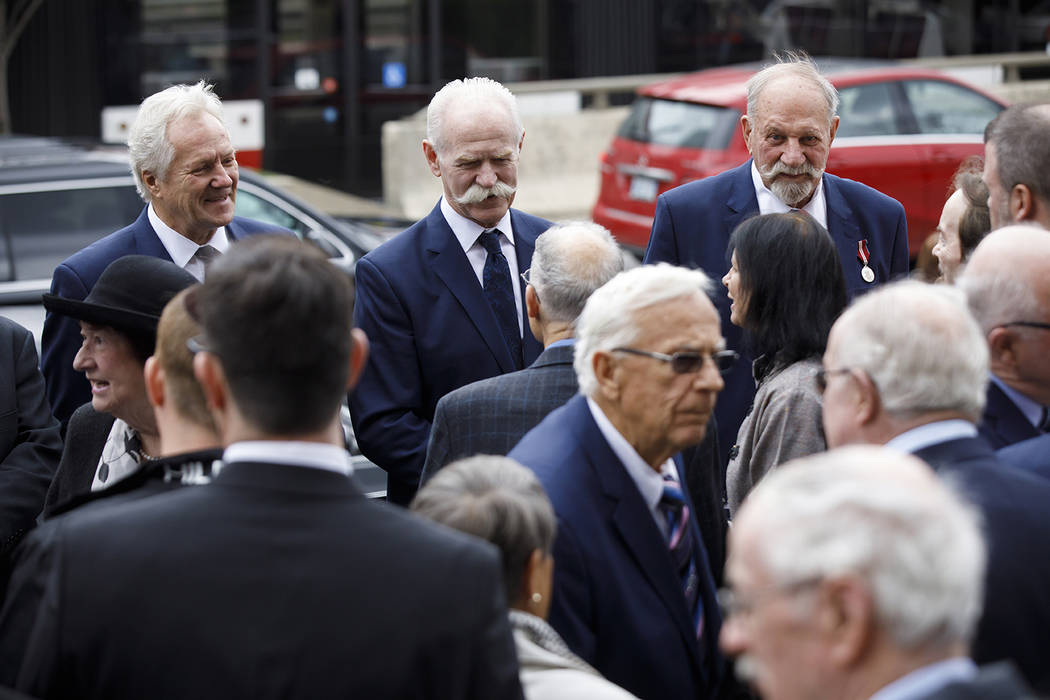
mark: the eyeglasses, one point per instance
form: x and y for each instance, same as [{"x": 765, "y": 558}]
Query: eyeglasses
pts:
[
  {"x": 525, "y": 276},
  {"x": 686, "y": 362},
  {"x": 732, "y": 604},
  {"x": 822, "y": 376},
  {"x": 1027, "y": 324}
]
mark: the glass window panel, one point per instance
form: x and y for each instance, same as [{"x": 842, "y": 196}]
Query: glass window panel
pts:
[
  {"x": 867, "y": 110},
  {"x": 946, "y": 108}
]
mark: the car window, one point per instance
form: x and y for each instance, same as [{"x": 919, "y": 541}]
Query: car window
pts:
[
  {"x": 682, "y": 124},
  {"x": 866, "y": 110},
  {"x": 39, "y": 230},
  {"x": 946, "y": 108},
  {"x": 251, "y": 206}
]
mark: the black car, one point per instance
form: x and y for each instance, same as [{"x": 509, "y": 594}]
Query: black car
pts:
[{"x": 57, "y": 197}]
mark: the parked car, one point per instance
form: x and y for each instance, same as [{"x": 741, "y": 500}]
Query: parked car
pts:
[
  {"x": 57, "y": 197},
  {"x": 903, "y": 131}
]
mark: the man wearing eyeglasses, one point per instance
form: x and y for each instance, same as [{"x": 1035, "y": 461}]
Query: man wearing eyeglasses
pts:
[
  {"x": 1007, "y": 284},
  {"x": 906, "y": 366},
  {"x": 633, "y": 594}
]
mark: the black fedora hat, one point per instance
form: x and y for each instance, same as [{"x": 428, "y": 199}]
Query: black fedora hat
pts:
[{"x": 129, "y": 295}]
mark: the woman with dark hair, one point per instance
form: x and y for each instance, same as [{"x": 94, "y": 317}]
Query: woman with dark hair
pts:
[
  {"x": 787, "y": 288},
  {"x": 964, "y": 220}
]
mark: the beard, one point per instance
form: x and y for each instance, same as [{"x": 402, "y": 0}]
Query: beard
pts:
[
  {"x": 477, "y": 194},
  {"x": 791, "y": 193}
]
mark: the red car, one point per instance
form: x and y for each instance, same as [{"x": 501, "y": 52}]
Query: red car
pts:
[{"x": 903, "y": 131}]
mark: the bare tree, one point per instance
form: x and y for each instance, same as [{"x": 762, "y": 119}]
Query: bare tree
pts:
[{"x": 14, "y": 16}]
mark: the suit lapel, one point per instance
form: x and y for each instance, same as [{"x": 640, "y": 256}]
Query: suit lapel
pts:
[
  {"x": 560, "y": 355},
  {"x": 742, "y": 202},
  {"x": 147, "y": 242},
  {"x": 1005, "y": 418},
  {"x": 524, "y": 246},
  {"x": 450, "y": 264}
]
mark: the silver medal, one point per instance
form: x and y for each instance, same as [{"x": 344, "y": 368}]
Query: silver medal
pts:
[{"x": 867, "y": 274}]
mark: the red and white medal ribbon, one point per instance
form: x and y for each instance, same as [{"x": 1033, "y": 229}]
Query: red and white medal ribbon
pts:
[{"x": 866, "y": 273}]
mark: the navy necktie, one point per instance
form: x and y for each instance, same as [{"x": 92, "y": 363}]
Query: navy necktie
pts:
[
  {"x": 680, "y": 542},
  {"x": 497, "y": 284}
]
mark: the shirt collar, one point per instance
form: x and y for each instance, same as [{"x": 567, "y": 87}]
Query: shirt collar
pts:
[
  {"x": 564, "y": 342},
  {"x": 300, "y": 454},
  {"x": 650, "y": 483},
  {"x": 180, "y": 248},
  {"x": 1032, "y": 410},
  {"x": 769, "y": 203},
  {"x": 932, "y": 434},
  {"x": 923, "y": 682},
  {"x": 467, "y": 231}
]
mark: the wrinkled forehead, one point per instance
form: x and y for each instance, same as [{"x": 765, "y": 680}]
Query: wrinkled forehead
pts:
[{"x": 792, "y": 99}]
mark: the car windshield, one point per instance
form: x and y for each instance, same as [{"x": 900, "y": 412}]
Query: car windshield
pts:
[{"x": 680, "y": 124}]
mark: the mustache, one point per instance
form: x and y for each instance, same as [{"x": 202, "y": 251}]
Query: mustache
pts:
[
  {"x": 781, "y": 168},
  {"x": 477, "y": 194}
]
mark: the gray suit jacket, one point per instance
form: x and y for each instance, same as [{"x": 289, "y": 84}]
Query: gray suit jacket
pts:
[{"x": 491, "y": 415}]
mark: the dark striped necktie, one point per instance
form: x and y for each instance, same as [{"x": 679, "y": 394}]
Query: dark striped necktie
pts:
[
  {"x": 680, "y": 542},
  {"x": 498, "y": 288}
]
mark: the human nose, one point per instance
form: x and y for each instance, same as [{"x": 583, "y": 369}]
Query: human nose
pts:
[
  {"x": 221, "y": 176},
  {"x": 709, "y": 378},
  {"x": 792, "y": 154},
  {"x": 487, "y": 176},
  {"x": 82, "y": 359},
  {"x": 733, "y": 637},
  {"x": 725, "y": 280}
]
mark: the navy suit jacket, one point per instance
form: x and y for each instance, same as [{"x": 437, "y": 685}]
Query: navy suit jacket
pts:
[
  {"x": 273, "y": 581},
  {"x": 67, "y": 389},
  {"x": 1032, "y": 455},
  {"x": 431, "y": 331},
  {"x": 617, "y": 600},
  {"x": 692, "y": 227},
  {"x": 1003, "y": 423},
  {"x": 492, "y": 415},
  {"x": 1015, "y": 623}
]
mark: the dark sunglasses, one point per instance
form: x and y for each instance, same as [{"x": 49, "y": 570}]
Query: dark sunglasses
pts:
[{"x": 686, "y": 362}]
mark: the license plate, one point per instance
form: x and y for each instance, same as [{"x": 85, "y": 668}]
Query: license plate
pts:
[{"x": 643, "y": 188}]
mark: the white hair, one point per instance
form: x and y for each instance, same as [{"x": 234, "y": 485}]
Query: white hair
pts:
[
  {"x": 797, "y": 64},
  {"x": 1003, "y": 273},
  {"x": 610, "y": 317},
  {"x": 884, "y": 517},
  {"x": 920, "y": 346},
  {"x": 571, "y": 260},
  {"x": 475, "y": 91},
  {"x": 148, "y": 145}
]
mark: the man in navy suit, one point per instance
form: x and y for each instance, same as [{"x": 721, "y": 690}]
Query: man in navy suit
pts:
[
  {"x": 442, "y": 301},
  {"x": 1007, "y": 283},
  {"x": 789, "y": 127},
  {"x": 817, "y": 612},
  {"x": 633, "y": 594},
  {"x": 279, "y": 579},
  {"x": 490, "y": 416},
  {"x": 906, "y": 366},
  {"x": 186, "y": 170},
  {"x": 1030, "y": 455}
]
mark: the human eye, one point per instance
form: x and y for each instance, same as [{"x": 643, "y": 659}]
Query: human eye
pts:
[{"x": 775, "y": 137}]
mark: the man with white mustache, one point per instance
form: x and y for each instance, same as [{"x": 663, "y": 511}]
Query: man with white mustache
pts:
[
  {"x": 442, "y": 302},
  {"x": 789, "y": 127}
]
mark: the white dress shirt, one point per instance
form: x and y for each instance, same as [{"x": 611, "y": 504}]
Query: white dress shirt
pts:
[
  {"x": 922, "y": 682},
  {"x": 317, "y": 455},
  {"x": 911, "y": 441},
  {"x": 768, "y": 203},
  {"x": 468, "y": 233},
  {"x": 181, "y": 249}
]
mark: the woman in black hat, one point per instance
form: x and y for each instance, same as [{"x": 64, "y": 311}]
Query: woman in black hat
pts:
[{"x": 109, "y": 437}]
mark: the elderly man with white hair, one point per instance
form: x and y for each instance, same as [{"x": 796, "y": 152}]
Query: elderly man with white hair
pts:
[
  {"x": 906, "y": 366},
  {"x": 633, "y": 592},
  {"x": 442, "y": 301},
  {"x": 185, "y": 169},
  {"x": 856, "y": 574},
  {"x": 1007, "y": 284}
]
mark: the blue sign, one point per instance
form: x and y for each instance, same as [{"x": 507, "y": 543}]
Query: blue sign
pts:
[{"x": 394, "y": 74}]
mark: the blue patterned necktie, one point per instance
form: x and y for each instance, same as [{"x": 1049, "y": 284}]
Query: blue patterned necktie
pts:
[
  {"x": 497, "y": 284},
  {"x": 680, "y": 542}
]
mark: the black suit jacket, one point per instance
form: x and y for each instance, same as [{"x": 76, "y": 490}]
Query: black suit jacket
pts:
[
  {"x": 85, "y": 438},
  {"x": 995, "y": 682},
  {"x": 30, "y": 443},
  {"x": 490, "y": 416},
  {"x": 1032, "y": 455},
  {"x": 273, "y": 581},
  {"x": 1015, "y": 623},
  {"x": 1003, "y": 423}
]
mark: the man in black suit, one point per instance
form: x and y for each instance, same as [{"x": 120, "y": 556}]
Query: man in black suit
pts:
[
  {"x": 1007, "y": 283},
  {"x": 279, "y": 578},
  {"x": 30, "y": 443},
  {"x": 817, "y": 611},
  {"x": 906, "y": 366},
  {"x": 490, "y": 416}
]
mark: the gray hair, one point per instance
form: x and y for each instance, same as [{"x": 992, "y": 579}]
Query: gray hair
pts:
[
  {"x": 920, "y": 346},
  {"x": 498, "y": 500},
  {"x": 148, "y": 144},
  {"x": 1001, "y": 278},
  {"x": 570, "y": 261},
  {"x": 883, "y": 517},
  {"x": 792, "y": 63},
  {"x": 476, "y": 91},
  {"x": 1018, "y": 135},
  {"x": 610, "y": 317}
]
